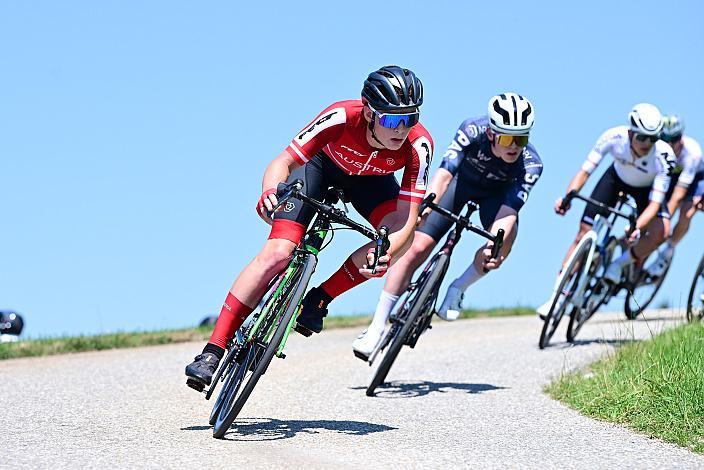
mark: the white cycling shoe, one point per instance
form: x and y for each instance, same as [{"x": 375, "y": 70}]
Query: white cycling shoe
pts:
[
  {"x": 366, "y": 342},
  {"x": 613, "y": 273},
  {"x": 544, "y": 309},
  {"x": 452, "y": 305},
  {"x": 660, "y": 264}
]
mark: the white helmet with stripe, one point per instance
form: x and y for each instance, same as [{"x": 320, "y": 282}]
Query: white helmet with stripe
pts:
[
  {"x": 645, "y": 119},
  {"x": 510, "y": 113}
]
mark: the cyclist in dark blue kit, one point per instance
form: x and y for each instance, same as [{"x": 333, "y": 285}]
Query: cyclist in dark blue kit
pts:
[{"x": 490, "y": 162}]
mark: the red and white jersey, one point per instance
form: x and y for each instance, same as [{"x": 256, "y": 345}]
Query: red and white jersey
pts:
[{"x": 340, "y": 132}]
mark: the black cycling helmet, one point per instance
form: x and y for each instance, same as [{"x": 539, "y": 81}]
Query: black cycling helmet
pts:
[
  {"x": 10, "y": 323},
  {"x": 393, "y": 89}
]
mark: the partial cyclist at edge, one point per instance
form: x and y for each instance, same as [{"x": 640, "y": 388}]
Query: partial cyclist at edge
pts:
[
  {"x": 355, "y": 145},
  {"x": 641, "y": 168},
  {"x": 686, "y": 183},
  {"x": 489, "y": 162}
]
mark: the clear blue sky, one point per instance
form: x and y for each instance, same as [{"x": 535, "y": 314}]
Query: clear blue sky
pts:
[{"x": 134, "y": 135}]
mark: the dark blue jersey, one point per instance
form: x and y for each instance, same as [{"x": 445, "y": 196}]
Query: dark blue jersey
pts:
[{"x": 470, "y": 160}]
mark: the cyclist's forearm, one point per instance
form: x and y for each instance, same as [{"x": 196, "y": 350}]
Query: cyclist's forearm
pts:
[
  {"x": 278, "y": 171},
  {"x": 401, "y": 225},
  {"x": 676, "y": 199},
  {"x": 578, "y": 181},
  {"x": 648, "y": 215},
  {"x": 439, "y": 183}
]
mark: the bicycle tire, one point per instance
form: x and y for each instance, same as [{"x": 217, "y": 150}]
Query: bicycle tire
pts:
[
  {"x": 228, "y": 369},
  {"x": 424, "y": 288},
  {"x": 691, "y": 314},
  {"x": 304, "y": 273},
  {"x": 572, "y": 273},
  {"x": 633, "y": 312},
  {"x": 579, "y": 316}
]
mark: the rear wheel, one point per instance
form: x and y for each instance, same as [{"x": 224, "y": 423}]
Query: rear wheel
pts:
[
  {"x": 695, "y": 302},
  {"x": 419, "y": 301},
  {"x": 644, "y": 291},
  {"x": 569, "y": 282},
  {"x": 254, "y": 357}
]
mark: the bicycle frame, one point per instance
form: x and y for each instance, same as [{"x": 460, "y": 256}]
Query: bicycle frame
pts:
[
  {"x": 599, "y": 237},
  {"x": 311, "y": 244}
]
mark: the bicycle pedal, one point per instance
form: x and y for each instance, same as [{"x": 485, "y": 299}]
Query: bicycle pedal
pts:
[
  {"x": 196, "y": 385},
  {"x": 361, "y": 356},
  {"x": 303, "y": 330}
]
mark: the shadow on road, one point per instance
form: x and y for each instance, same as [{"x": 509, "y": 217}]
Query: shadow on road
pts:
[
  {"x": 267, "y": 429},
  {"x": 399, "y": 389},
  {"x": 612, "y": 342}
]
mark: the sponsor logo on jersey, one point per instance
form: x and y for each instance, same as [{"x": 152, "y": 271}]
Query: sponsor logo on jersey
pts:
[
  {"x": 289, "y": 206},
  {"x": 324, "y": 121},
  {"x": 390, "y": 161},
  {"x": 359, "y": 154},
  {"x": 425, "y": 155},
  {"x": 482, "y": 157}
]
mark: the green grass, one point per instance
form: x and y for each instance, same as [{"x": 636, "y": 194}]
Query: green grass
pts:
[
  {"x": 50, "y": 346},
  {"x": 655, "y": 387}
]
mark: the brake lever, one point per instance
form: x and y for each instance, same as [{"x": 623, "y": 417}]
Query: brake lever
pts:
[
  {"x": 380, "y": 246},
  {"x": 498, "y": 244},
  {"x": 341, "y": 196}
]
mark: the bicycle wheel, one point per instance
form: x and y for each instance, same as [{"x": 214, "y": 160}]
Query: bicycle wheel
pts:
[
  {"x": 644, "y": 291},
  {"x": 595, "y": 293},
  {"x": 695, "y": 301},
  {"x": 257, "y": 354},
  {"x": 416, "y": 303},
  {"x": 565, "y": 290},
  {"x": 227, "y": 372}
]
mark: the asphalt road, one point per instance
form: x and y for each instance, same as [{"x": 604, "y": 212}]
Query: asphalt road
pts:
[{"x": 469, "y": 395}]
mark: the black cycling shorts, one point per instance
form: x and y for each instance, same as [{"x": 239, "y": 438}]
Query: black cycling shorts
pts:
[
  {"x": 454, "y": 200},
  {"x": 372, "y": 196},
  {"x": 606, "y": 191}
]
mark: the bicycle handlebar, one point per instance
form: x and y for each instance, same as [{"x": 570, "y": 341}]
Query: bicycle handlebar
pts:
[
  {"x": 286, "y": 191},
  {"x": 464, "y": 223},
  {"x": 575, "y": 195}
]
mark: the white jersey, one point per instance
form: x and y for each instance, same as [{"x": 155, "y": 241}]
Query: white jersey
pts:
[
  {"x": 652, "y": 170},
  {"x": 689, "y": 162}
]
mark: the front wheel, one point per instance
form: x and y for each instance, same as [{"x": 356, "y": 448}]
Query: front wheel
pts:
[
  {"x": 695, "y": 301},
  {"x": 419, "y": 300},
  {"x": 256, "y": 355},
  {"x": 566, "y": 289}
]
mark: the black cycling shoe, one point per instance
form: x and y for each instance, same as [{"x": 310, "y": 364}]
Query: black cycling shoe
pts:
[
  {"x": 200, "y": 371},
  {"x": 313, "y": 310}
]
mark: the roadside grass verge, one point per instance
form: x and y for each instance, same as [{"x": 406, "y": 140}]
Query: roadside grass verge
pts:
[
  {"x": 63, "y": 345},
  {"x": 655, "y": 387}
]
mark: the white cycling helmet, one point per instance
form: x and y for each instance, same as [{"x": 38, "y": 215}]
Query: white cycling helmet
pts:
[
  {"x": 672, "y": 127},
  {"x": 645, "y": 119},
  {"x": 510, "y": 113}
]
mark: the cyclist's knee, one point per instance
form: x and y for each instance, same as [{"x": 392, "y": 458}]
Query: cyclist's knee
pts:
[
  {"x": 275, "y": 255},
  {"x": 658, "y": 230},
  {"x": 420, "y": 248}
]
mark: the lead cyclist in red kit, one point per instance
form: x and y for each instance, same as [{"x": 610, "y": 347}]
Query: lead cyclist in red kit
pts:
[{"x": 354, "y": 145}]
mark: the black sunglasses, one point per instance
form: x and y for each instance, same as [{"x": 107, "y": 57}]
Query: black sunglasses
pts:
[
  {"x": 644, "y": 138},
  {"x": 673, "y": 139}
]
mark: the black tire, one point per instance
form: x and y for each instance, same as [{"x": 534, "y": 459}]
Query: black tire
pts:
[
  {"x": 424, "y": 287},
  {"x": 597, "y": 287},
  {"x": 695, "y": 307},
  {"x": 258, "y": 355},
  {"x": 632, "y": 306},
  {"x": 227, "y": 368},
  {"x": 569, "y": 281}
]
